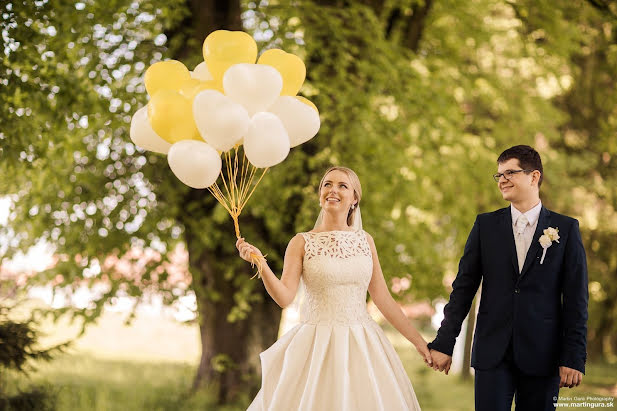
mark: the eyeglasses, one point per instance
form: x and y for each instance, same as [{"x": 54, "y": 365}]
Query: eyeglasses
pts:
[{"x": 508, "y": 174}]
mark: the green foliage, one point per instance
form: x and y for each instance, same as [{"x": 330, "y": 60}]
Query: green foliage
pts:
[
  {"x": 75, "y": 182},
  {"x": 421, "y": 127},
  {"x": 581, "y": 157}
]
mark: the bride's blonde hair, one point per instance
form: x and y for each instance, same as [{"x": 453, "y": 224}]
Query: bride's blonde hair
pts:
[{"x": 355, "y": 183}]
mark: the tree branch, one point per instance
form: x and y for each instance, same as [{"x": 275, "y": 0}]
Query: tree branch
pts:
[{"x": 604, "y": 6}]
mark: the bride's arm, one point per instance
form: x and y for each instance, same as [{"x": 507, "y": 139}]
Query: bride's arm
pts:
[
  {"x": 389, "y": 308},
  {"x": 282, "y": 291}
]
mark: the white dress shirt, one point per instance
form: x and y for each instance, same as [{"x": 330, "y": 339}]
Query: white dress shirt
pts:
[{"x": 523, "y": 241}]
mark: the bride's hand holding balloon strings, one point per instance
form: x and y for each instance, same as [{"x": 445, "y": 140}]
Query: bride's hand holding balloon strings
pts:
[{"x": 248, "y": 251}]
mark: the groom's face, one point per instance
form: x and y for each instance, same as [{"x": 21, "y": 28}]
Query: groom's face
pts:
[{"x": 520, "y": 186}]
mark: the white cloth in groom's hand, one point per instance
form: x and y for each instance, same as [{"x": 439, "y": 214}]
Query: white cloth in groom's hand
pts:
[{"x": 524, "y": 230}]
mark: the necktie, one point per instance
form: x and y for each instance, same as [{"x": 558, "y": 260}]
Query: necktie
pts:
[{"x": 519, "y": 239}]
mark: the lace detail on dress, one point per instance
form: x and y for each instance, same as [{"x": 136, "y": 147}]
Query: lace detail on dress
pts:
[
  {"x": 339, "y": 244},
  {"x": 336, "y": 271}
]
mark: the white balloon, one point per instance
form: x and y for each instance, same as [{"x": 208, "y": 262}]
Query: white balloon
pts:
[
  {"x": 220, "y": 121},
  {"x": 255, "y": 86},
  {"x": 195, "y": 163},
  {"x": 300, "y": 120},
  {"x": 266, "y": 143},
  {"x": 201, "y": 72},
  {"x": 142, "y": 134}
]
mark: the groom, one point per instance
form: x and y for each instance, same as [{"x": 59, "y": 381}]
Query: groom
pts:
[{"x": 530, "y": 336}]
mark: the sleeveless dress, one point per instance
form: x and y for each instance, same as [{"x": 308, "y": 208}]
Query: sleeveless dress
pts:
[{"x": 337, "y": 358}]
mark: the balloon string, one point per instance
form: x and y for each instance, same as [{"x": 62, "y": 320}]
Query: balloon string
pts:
[{"x": 237, "y": 193}]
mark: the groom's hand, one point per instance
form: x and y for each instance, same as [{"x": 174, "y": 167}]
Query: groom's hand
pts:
[
  {"x": 569, "y": 377},
  {"x": 441, "y": 361}
]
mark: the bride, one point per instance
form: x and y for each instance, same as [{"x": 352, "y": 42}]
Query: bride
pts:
[{"x": 337, "y": 357}]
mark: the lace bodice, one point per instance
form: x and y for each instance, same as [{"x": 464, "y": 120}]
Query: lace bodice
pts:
[{"x": 336, "y": 273}]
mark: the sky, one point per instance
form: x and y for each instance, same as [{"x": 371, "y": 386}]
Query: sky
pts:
[{"x": 37, "y": 258}]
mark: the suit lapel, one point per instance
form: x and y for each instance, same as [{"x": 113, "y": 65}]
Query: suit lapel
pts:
[
  {"x": 543, "y": 222},
  {"x": 508, "y": 234}
]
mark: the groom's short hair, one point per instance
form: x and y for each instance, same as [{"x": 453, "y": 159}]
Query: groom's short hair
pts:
[{"x": 528, "y": 158}]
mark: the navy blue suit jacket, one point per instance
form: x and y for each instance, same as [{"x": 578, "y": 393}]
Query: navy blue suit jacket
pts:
[{"x": 543, "y": 310}]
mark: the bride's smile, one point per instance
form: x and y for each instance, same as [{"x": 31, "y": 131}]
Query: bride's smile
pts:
[{"x": 336, "y": 191}]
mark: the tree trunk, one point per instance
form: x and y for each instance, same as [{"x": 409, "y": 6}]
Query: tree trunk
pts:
[
  {"x": 471, "y": 324},
  {"x": 230, "y": 350},
  {"x": 204, "y": 17}
]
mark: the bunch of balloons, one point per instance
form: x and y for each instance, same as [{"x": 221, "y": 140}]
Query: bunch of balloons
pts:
[{"x": 228, "y": 104}]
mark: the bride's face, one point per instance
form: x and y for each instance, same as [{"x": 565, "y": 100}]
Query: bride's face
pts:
[{"x": 336, "y": 193}]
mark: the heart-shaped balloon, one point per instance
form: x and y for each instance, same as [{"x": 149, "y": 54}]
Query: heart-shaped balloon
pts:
[
  {"x": 266, "y": 143},
  {"x": 290, "y": 66},
  {"x": 195, "y": 163},
  {"x": 165, "y": 75},
  {"x": 255, "y": 86},
  {"x": 301, "y": 121},
  {"x": 186, "y": 89},
  {"x": 307, "y": 101},
  {"x": 201, "y": 72},
  {"x": 222, "y": 49},
  {"x": 142, "y": 134},
  {"x": 220, "y": 121},
  {"x": 193, "y": 87},
  {"x": 171, "y": 116}
]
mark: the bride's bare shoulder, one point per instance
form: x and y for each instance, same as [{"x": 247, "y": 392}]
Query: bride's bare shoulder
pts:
[
  {"x": 367, "y": 234},
  {"x": 297, "y": 243},
  {"x": 369, "y": 239}
]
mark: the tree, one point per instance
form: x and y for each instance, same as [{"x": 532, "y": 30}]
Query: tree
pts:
[{"x": 18, "y": 349}]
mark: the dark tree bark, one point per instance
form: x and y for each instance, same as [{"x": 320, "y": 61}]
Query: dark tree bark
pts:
[
  {"x": 204, "y": 17},
  {"x": 238, "y": 344},
  {"x": 415, "y": 25}
]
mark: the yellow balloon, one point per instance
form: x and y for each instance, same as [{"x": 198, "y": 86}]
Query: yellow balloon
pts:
[
  {"x": 290, "y": 66},
  {"x": 193, "y": 87},
  {"x": 165, "y": 75},
  {"x": 223, "y": 48},
  {"x": 307, "y": 102},
  {"x": 171, "y": 116}
]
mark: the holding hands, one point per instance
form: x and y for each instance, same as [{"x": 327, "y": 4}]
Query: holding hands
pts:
[
  {"x": 568, "y": 377},
  {"x": 441, "y": 361},
  {"x": 425, "y": 353}
]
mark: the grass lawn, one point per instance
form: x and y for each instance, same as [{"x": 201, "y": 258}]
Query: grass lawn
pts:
[{"x": 150, "y": 366}]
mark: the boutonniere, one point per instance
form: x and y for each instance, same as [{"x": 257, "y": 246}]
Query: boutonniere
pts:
[{"x": 550, "y": 234}]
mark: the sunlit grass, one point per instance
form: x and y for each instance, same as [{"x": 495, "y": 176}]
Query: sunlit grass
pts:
[
  {"x": 83, "y": 382},
  {"x": 150, "y": 366}
]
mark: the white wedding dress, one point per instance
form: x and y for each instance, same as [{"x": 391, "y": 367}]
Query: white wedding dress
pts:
[{"x": 338, "y": 358}]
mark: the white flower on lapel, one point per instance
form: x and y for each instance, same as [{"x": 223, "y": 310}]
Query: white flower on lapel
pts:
[{"x": 550, "y": 234}]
